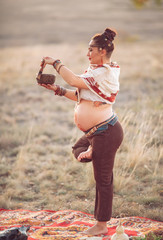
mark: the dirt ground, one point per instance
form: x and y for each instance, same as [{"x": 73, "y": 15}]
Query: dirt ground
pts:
[{"x": 70, "y": 21}]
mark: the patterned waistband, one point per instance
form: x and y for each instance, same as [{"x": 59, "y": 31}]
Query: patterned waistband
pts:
[{"x": 112, "y": 120}]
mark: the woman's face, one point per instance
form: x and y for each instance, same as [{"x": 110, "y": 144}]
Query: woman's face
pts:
[{"x": 94, "y": 54}]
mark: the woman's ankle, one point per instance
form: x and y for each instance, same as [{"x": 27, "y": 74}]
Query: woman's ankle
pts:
[{"x": 101, "y": 223}]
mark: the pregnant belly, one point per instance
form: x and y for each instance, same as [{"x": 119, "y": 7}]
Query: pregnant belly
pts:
[{"x": 87, "y": 115}]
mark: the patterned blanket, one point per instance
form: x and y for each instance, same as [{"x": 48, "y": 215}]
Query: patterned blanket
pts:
[{"x": 69, "y": 224}]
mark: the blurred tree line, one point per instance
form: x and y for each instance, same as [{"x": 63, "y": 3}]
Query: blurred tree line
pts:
[{"x": 142, "y": 3}]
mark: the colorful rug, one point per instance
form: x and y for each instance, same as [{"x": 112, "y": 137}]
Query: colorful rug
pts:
[{"x": 69, "y": 224}]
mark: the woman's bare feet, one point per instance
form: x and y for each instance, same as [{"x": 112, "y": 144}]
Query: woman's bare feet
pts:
[
  {"x": 87, "y": 154},
  {"x": 98, "y": 228}
]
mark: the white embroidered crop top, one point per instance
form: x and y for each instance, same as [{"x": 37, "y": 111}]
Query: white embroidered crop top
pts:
[{"x": 102, "y": 82}]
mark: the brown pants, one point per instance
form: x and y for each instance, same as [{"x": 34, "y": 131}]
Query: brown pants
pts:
[{"x": 104, "y": 147}]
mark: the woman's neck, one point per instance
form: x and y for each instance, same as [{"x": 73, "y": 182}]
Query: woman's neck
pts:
[{"x": 107, "y": 61}]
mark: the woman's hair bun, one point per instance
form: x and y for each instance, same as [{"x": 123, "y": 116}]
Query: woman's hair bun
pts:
[{"x": 109, "y": 34}]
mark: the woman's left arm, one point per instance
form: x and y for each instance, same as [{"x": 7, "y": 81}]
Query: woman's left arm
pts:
[{"x": 69, "y": 77}]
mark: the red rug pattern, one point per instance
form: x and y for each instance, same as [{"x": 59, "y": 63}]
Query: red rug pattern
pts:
[{"x": 69, "y": 224}]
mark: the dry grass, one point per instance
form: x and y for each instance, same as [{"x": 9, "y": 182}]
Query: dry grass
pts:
[{"x": 37, "y": 168}]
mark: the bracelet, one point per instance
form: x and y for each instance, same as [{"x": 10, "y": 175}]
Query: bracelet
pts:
[
  {"x": 56, "y": 62},
  {"x": 59, "y": 68},
  {"x": 60, "y": 91}
]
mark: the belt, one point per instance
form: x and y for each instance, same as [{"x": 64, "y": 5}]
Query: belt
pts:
[{"x": 112, "y": 120}]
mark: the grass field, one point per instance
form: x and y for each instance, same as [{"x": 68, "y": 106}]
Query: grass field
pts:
[{"x": 37, "y": 169}]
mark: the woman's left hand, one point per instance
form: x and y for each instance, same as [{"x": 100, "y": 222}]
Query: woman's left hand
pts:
[{"x": 47, "y": 60}]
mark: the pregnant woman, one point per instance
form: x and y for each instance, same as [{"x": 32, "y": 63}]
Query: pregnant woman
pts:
[{"x": 95, "y": 93}]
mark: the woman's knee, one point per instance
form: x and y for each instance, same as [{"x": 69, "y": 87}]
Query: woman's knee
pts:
[{"x": 80, "y": 146}]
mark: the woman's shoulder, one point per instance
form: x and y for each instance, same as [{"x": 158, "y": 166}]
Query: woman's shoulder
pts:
[{"x": 102, "y": 70}]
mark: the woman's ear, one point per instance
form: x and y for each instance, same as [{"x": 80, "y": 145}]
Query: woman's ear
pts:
[{"x": 103, "y": 52}]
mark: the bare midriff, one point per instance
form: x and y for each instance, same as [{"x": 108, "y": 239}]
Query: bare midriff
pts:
[{"x": 87, "y": 114}]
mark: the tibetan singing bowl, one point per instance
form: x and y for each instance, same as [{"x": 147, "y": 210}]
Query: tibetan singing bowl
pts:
[{"x": 46, "y": 79}]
